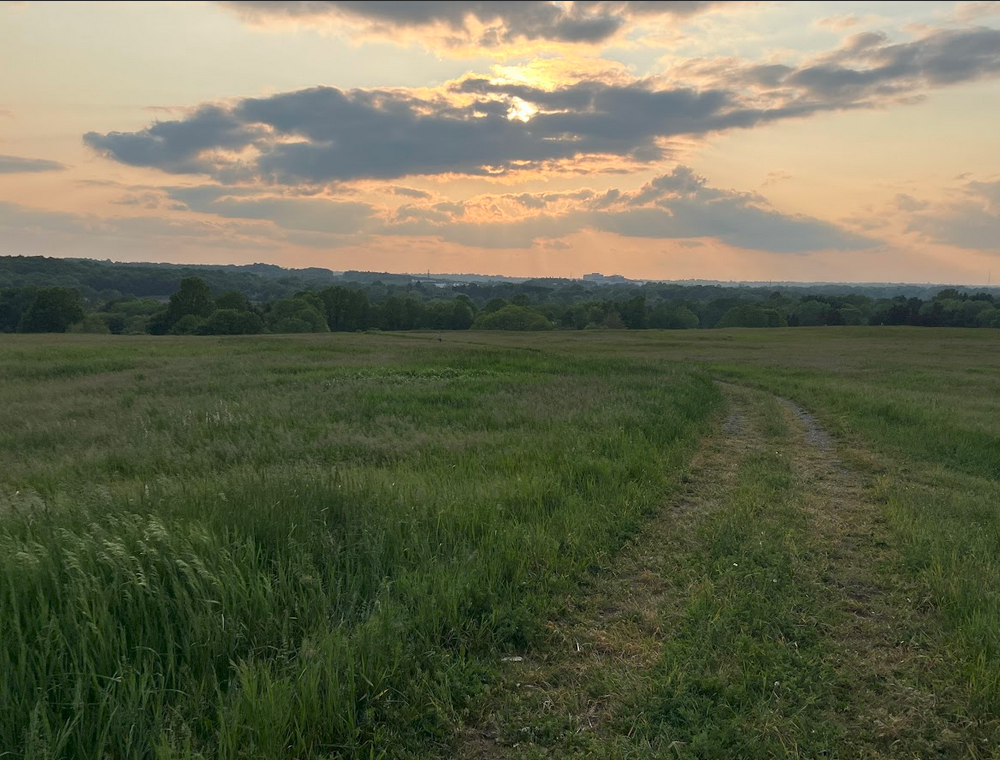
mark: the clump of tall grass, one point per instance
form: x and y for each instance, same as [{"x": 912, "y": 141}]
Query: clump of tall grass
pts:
[{"x": 289, "y": 603}]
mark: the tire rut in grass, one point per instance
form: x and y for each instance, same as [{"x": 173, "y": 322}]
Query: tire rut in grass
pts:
[
  {"x": 681, "y": 646},
  {"x": 571, "y": 697},
  {"x": 901, "y": 703}
]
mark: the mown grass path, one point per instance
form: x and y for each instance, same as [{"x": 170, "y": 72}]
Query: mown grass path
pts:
[{"x": 764, "y": 613}]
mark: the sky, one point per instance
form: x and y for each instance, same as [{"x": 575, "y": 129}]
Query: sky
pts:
[{"x": 753, "y": 141}]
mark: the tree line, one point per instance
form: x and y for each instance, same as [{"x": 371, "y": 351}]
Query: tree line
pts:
[{"x": 193, "y": 309}]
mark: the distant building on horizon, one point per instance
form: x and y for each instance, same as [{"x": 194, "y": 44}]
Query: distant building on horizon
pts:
[{"x": 600, "y": 279}]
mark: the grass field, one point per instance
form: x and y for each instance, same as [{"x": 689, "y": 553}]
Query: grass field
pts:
[{"x": 334, "y": 545}]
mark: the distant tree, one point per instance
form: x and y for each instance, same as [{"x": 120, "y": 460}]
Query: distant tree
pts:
[
  {"x": 115, "y": 322},
  {"x": 494, "y": 304},
  {"x": 52, "y": 310},
  {"x": 13, "y": 303},
  {"x": 852, "y": 315},
  {"x": 159, "y": 323},
  {"x": 988, "y": 318},
  {"x": 232, "y": 322},
  {"x": 671, "y": 316},
  {"x": 521, "y": 299},
  {"x": 752, "y": 315},
  {"x": 136, "y": 325},
  {"x": 578, "y": 316},
  {"x": 612, "y": 321},
  {"x": 512, "y": 318},
  {"x": 400, "y": 313},
  {"x": 189, "y": 324},
  {"x": 295, "y": 315},
  {"x": 91, "y": 324},
  {"x": 633, "y": 312},
  {"x": 710, "y": 313},
  {"x": 233, "y": 299},
  {"x": 811, "y": 313},
  {"x": 950, "y": 293},
  {"x": 968, "y": 311},
  {"x": 347, "y": 309},
  {"x": 461, "y": 315},
  {"x": 193, "y": 298},
  {"x": 10, "y": 316}
]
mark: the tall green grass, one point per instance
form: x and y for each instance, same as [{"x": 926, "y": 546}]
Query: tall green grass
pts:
[
  {"x": 302, "y": 548},
  {"x": 919, "y": 410}
]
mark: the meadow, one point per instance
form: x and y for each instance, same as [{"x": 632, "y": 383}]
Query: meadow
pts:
[{"x": 334, "y": 545}]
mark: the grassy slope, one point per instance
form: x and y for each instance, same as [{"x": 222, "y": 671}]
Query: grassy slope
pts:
[
  {"x": 375, "y": 518},
  {"x": 293, "y": 547},
  {"x": 918, "y": 411}
]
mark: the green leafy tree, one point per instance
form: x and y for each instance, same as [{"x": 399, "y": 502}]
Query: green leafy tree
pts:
[
  {"x": 461, "y": 315},
  {"x": 852, "y": 315},
  {"x": 136, "y": 325},
  {"x": 612, "y": 321},
  {"x": 193, "y": 298},
  {"x": 494, "y": 304},
  {"x": 13, "y": 303},
  {"x": 811, "y": 314},
  {"x": 512, "y": 317},
  {"x": 347, "y": 309},
  {"x": 91, "y": 324},
  {"x": 52, "y": 310},
  {"x": 752, "y": 315},
  {"x": 159, "y": 323},
  {"x": 668, "y": 316},
  {"x": 189, "y": 324},
  {"x": 295, "y": 315},
  {"x": 233, "y": 299},
  {"x": 988, "y": 318},
  {"x": 633, "y": 313}
]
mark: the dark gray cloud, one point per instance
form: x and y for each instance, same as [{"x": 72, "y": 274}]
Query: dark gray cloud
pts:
[
  {"x": 326, "y": 135},
  {"x": 18, "y": 165},
  {"x": 484, "y": 23},
  {"x": 972, "y": 222},
  {"x": 868, "y": 67},
  {"x": 181, "y": 146}
]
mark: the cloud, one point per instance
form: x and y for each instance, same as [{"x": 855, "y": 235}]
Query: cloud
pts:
[
  {"x": 18, "y": 165},
  {"x": 325, "y": 134},
  {"x": 184, "y": 146},
  {"x": 971, "y": 11},
  {"x": 840, "y": 22},
  {"x": 487, "y": 24},
  {"x": 678, "y": 205},
  {"x": 322, "y": 215},
  {"x": 496, "y": 126},
  {"x": 972, "y": 221},
  {"x": 147, "y": 200},
  {"x": 409, "y": 192},
  {"x": 29, "y": 231},
  {"x": 867, "y": 67},
  {"x": 774, "y": 177}
]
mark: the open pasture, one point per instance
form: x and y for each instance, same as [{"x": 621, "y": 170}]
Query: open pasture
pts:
[{"x": 326, "y": 545}]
